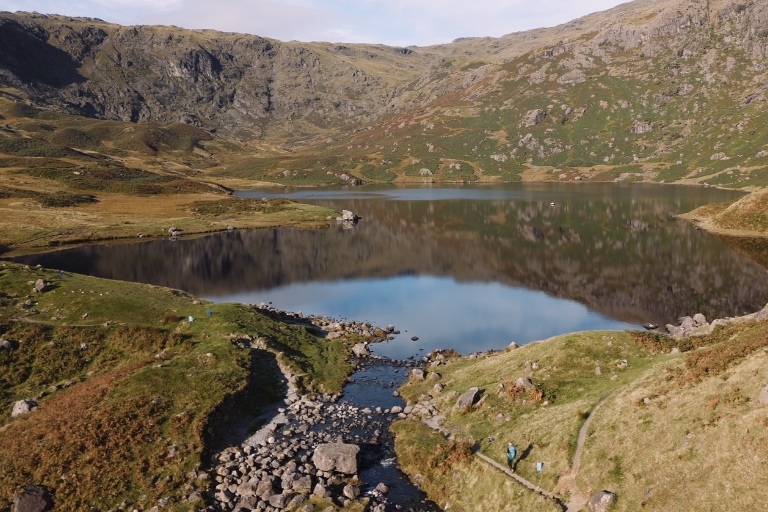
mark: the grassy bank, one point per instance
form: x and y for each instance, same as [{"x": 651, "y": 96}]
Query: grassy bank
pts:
[
  {"x": 746, "y": 217},
  {"x": 127, "y": 385},
  {"x": 67, "y": 179},
  {"x": 672, "y": 420}
]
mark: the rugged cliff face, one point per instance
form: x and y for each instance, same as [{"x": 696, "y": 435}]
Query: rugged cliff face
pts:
[
  {"x": 669, "y": 90},
  {"x": 235, "y": 83}
]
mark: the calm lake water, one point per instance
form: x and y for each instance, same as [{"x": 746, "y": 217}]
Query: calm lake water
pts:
[{"x": 466, "y": 267}]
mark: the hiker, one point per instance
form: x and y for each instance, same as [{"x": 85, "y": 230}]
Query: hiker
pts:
[{"x": 511, "y": 454}]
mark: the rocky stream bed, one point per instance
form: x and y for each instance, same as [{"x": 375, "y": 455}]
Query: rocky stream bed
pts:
[{"x": 326, "y": 451}]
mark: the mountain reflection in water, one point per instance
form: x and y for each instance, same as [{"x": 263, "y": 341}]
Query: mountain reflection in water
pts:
[{"x": 615, "y": 249}]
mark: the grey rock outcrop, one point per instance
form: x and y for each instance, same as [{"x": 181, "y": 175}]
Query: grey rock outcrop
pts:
[
  {"x": 468, "y": 399},
  {"x": 41, "y": 285},
  {"x": 760, "y": 315},
  {"x": 338, "y": 457},
  {"x": 534, "y": 117},
  {"x": 361, "y": 350},
  {"x": 417, "y": 374},
  {"x": 692, "y": 326},
  {"x": 23, "y": 407},
  {"x": 32, "y": 498},
  {"x": 601, "y": 501},
  {"x": 524, "y": 383},
  {"x": 641, "y": 127}
]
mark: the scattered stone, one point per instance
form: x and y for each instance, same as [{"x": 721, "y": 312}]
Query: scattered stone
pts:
[
  {"x": 40, "y": 285},
  {"x": 524, "y": 383},
  {"x": 468, "y": 399},
  {"x": 23, "y": 407},
  {"x": 601, "y": 501},
  {"x": 417, "y": 374},
  {"x": 351, "y": 491},
  {"x": 32, "y": 498},
  {"x": 280, "y": 500},
  {"x": 361, "y": 350},
  {"x": 5, "y": 346},
  {"x": 297, "y": 501},
  {"x": 382, "y": 488},
  {"x": 513, "y": 346}
]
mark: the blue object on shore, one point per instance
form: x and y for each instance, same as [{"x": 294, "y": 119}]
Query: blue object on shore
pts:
[
  {"x": 61, "y": 272},
  {"x": 209, "y": 312},
  {"x": 191, "y": 319},
  {"x": 539, "y": 466}
]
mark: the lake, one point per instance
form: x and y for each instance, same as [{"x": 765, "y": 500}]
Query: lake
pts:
[{"x": 463, "y": 267}]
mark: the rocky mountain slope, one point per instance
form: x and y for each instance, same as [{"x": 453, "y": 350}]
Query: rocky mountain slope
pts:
[{"x": 668, "y": 90}]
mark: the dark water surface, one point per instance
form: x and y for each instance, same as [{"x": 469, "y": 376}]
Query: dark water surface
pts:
[
  {"x": 467, "y": 267},
  {"x": 371, "y": 389}
]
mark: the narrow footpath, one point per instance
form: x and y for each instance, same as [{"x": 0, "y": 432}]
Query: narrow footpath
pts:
[
  {"x": 522, "y": 481},
  {"x": 567, "y": 482}
]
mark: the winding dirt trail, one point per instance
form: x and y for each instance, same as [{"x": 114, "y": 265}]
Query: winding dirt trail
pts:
[{"x": 567, "y": 482}]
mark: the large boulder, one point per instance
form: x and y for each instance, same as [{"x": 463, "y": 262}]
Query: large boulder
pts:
[
  {"x": 469, "y": 397},
  {"x": 32, "y": 498},
  {"x": 23, "y": 407},
  {"x": 40, "y": 285},
  {"x": 601, "y": 501},
  {"x": 361, "y": 350},
  {"x": 336, "y": 457},
  {"x": 248, "y": 488},
  {"x": 699, "y": 319},
  {"x": 675, "y": 331},
  {"x": 280, "y": 501},
  {"x": 417, "y": 374}
]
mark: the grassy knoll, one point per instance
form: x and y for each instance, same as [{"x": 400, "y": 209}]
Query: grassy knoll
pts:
[
  {"x": 701, "y": 421},
  {"x": 126, "y": 385}
]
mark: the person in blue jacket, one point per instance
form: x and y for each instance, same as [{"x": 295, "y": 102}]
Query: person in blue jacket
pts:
[{"x": 511, "y": 454}]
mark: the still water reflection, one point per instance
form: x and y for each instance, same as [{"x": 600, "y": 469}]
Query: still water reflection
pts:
[{"x": 465, "y": 267}]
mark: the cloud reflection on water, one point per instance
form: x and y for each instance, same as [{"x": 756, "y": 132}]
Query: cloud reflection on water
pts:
[{"x": 442, "y": 312}]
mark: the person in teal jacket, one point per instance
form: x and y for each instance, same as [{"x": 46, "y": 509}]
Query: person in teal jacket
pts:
[{"x": 511, "y": 454}]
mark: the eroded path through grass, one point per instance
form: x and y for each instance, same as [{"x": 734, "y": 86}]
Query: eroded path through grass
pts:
[{"x": 567, "y": 482}]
